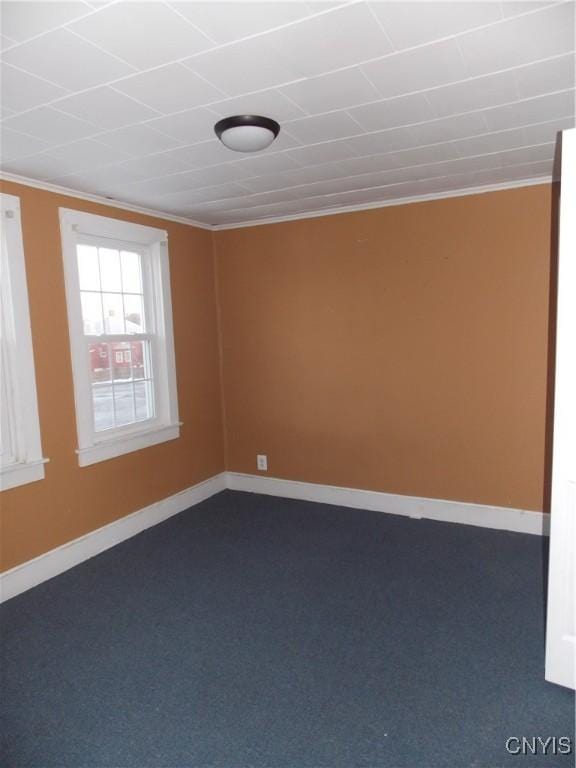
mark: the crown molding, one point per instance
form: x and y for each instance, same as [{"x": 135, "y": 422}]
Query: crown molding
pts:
[
  {"x": 25, "y": 181},
  {"x": 46, "y": 186},
  {"x": 386, "y": 204}
]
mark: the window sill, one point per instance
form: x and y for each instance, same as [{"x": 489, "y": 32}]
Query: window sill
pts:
[
  {"x": 13, "y": 475},
  {"x": 118, "y": 446}
]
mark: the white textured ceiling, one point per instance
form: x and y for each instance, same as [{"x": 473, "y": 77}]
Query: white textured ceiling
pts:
[{"x": 377, "y": 101}]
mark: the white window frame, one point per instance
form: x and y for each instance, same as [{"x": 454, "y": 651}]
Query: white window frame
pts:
[
  {"x": 23, "y": 462},
  {"x": 99, "y": 446}
]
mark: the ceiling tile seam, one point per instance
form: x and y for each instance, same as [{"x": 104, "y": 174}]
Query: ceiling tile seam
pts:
[
  {"x": 135, "y": 69},
  {"x": 138, "y": 101},
  {"x": 100, "y": 131},
  {"x": 189, "y": 22},
  {"x": 278, "y": 89},
  {"x": 366, "y": 133},
  {"x": 422, "y": 166},
  {"x": 354, "y": 120},
  {"x": 517, "y": 83},
  {"x": 10, "y": 40},
  {"x": 431, "y": 107},
  {"x": 44, "y": 80},
  {"x": 382, "y": 28},
  {"x": 225, "y": 95},
  {"x": 448, "y": 177},
  {"x": 85, "y": 169},
  {"x": 58, "y": 27}
]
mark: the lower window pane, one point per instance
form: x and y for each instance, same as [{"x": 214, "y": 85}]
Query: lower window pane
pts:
[
  {"x": 121, "y": 360},
  {"x": 141, "y": 368},
  {"x": 144, "y": 400},
  {"x": 124, "y": 404},
  {"x": 103, "y": 406}
]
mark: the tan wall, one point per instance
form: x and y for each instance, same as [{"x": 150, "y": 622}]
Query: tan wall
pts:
[
  {"x": 402, "y": 349},
  {"x": 73, "y": 500}
]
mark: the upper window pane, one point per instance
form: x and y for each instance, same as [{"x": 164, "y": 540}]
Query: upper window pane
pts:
[
  {"x": 88, "y": 269},
  {"x": 134, "y": 313},
  {"x": 110, "y": 273},
  {"x": 131, "y": 272},
  {"x": 92, "y": 313},
  {"x": 113, "y": 313}
]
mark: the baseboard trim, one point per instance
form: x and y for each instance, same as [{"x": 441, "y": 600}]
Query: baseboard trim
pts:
[
  {"x": 500, "y": 518},
  {"x": 56, "y": 561},
  {"x": 33, "y": 572}
]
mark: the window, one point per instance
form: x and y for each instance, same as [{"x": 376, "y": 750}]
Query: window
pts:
[
  {"x": 120, "y": 318},
  {"x": 20, "y": 448}
]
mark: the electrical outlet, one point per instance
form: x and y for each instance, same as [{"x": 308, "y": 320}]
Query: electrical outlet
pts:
[{"x": 262, "y": 462}]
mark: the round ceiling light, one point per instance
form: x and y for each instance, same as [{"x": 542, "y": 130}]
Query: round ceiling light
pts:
[{"x": 247, "y": 133}]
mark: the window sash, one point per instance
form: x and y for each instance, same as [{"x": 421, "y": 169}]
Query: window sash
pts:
[
  {"x": 81, "y": 228},
  {"x": 136, "y": 425}
]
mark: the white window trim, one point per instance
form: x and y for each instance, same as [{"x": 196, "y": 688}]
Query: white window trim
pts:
[
  {"x": 93, "y": 446},
  {"x": 20, "y": 381}
]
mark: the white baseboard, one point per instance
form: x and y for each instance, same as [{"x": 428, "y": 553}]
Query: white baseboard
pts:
[
  {"x": 501, "y": 518},
  {"x": 44, "y": 567}
]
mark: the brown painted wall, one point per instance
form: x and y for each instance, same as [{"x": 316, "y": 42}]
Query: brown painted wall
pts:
[
  {"x": 73, "y": 500},
  {"x": 402, "y": 349}
]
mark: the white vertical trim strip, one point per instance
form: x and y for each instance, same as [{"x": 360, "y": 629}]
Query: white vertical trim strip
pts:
[{"x": 561, "y": 619}]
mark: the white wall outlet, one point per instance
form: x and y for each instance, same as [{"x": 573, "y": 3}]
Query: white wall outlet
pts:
[{"x": 262, "y": 462}]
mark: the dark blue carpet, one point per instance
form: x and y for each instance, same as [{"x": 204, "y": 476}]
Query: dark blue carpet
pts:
[{"x": 254, "y": 632}]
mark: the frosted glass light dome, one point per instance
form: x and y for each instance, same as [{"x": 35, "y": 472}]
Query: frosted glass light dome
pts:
[{"x": 247, "y": 133}]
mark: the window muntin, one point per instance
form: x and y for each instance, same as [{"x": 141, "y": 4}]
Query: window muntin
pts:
[
  {"x": 119, "y": 307},
  {"x": 21, "y": 458}
]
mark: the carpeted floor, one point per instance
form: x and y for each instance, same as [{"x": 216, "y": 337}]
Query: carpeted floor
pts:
[{"x": 254, "y": 632}]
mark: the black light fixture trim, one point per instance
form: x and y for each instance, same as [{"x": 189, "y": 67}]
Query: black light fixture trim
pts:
[{"x": 239, "y": 120}]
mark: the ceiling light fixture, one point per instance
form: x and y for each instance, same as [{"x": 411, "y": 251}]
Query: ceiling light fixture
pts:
[{"x": 247, "y": 133}]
